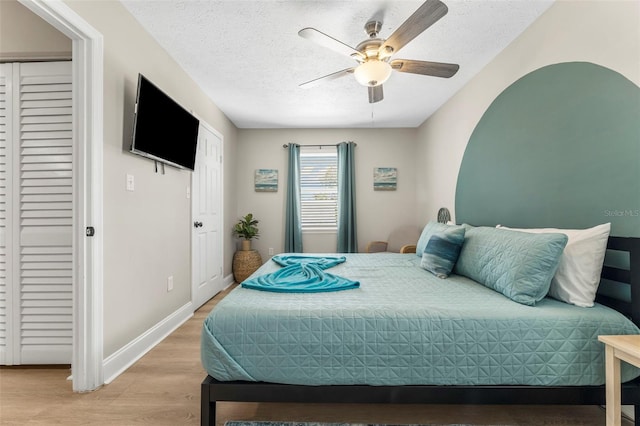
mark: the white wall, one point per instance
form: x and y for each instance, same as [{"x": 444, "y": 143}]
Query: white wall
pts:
[
  {"x": 26, "y": 36},
  {"x": 377, "y": 211},
  {"x": 605, "y": 32},
  {"x": 146, "y": 232}
]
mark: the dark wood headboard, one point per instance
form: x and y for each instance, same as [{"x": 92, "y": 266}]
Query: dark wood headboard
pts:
[{"x": 629, "y": 277}]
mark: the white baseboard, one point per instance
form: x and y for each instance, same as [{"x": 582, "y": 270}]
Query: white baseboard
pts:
[
  {"x": 228, "y": 280},
  {"x": 125, "y": 357}
]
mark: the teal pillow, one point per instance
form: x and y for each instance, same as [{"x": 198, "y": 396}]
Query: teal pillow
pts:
[
  {"x": 442, "y": 250},
  {"x": 430, "y": 229},
  {"x": 517, "y": 264}
]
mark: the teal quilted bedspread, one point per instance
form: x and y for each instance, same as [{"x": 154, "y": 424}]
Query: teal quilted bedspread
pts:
[{"x": 405, "y": 326}]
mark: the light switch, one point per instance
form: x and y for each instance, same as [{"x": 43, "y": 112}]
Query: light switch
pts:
[{"x": 130, "y": 183}]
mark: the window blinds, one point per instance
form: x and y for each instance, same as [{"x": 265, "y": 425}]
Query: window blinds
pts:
[{"x": 319, "y": 188}]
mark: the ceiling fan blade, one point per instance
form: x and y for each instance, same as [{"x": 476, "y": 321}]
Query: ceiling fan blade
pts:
[
  {"x": 329, "y": 42},
  {"x": 426, "y": 15},
  {"x": 436, "y": 69},
  {"x": 328, "y": 77},
  {"x": 375, "y": 94}
]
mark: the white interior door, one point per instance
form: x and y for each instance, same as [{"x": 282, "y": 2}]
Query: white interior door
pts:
[
  {"x": 207, "y": 218},
  {"x": 36, "y": 242}
]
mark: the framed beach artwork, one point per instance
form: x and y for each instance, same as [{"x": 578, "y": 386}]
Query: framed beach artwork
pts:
[
  {"x": 385, "y": 178},
  {"x": 266, "y": 180}
]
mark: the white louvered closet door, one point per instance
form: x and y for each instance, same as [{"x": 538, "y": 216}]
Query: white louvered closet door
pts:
[
  {"x": 6, "y": 223},
  {"x": 37, "y": 251}
]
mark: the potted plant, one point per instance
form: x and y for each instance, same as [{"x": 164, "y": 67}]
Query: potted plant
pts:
[{"x": 246, "y": 228}]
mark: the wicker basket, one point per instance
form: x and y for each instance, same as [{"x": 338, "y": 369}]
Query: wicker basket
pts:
[{"x": 245, "y": 263}]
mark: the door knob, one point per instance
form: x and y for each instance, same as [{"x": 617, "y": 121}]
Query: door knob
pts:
[{"x": 197, "y": 224}]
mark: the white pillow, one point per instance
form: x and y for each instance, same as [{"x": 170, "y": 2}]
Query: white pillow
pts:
[{"x": 578, "y": 275}]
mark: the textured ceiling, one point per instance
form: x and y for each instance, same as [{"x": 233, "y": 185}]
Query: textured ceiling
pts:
[{"x": 247, "y": 55}]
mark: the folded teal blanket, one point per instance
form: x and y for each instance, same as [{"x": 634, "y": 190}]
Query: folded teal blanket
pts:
[{"x": 302, "y": 274}]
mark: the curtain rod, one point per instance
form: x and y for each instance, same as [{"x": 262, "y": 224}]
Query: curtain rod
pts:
[{"x": 286, "y": 145}]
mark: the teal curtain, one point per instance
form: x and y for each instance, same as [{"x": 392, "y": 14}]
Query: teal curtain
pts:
[
  {"x": 293, "y": 220},
  {"x": 347, "y": 229}
]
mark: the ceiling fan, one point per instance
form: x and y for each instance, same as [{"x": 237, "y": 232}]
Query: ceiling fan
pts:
[{"x": 374, "y": 54}]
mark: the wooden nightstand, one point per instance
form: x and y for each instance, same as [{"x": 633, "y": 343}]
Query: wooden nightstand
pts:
[{"x": 626, "y": 348}]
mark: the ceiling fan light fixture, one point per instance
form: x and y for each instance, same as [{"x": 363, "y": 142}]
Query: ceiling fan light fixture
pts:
[{"x": 372, "y": 73}]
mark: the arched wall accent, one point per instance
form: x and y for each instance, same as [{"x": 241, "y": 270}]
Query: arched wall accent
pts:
[{"x": 560, "y": 147}]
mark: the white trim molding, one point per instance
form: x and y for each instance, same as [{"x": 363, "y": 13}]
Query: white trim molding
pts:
[
  {"x": 35, "y": 56},
  {"x": 125, "y": 357},
  {"x": 88, "y": 57},
  {"x": 228, "y": 280}
]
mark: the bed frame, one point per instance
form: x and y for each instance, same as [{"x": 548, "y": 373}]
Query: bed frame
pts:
[{"x": 213, "y": 391}]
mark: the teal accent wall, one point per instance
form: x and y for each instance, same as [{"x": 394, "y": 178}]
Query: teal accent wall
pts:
[{"x": 560, "y": 147}]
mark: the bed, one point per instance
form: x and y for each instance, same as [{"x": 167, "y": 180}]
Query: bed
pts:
[{"x": 406, "y": 336}]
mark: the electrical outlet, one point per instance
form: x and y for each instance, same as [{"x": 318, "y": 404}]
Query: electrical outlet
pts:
[
  {"x": 170, "y": 283},
  {"x": 130, "y": 183},
  {"x": 271, "y": 251}
]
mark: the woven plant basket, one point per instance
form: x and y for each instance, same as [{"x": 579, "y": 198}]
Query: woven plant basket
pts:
[{"x": 245, "y": 263}]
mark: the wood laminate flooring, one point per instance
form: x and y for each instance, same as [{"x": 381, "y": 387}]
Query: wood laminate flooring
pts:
[{"x": 163, "y": 388}]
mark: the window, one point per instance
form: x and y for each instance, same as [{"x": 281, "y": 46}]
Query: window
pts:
[{"x": 319, "y": 188}]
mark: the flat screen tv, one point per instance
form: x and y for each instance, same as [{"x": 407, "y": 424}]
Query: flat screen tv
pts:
[{"x": 163, "y": 130}]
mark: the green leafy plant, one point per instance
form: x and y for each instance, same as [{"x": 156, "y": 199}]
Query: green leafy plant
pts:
[{"x": 246, "y": 228}]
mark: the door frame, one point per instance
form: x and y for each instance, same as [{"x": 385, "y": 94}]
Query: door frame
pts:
[
  {"x": 193, "y": 215},
  {"x": 87, "y": 72}
]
